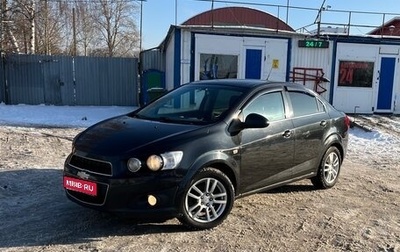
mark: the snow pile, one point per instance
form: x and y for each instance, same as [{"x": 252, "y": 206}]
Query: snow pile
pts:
[
  {"x": 375, "y": 147},
  {"x": 57, "y": 116}
]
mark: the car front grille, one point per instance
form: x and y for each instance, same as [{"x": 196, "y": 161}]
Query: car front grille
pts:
[{"x": 92, "y": 165}]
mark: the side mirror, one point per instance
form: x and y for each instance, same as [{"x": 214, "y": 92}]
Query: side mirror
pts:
[
  {"x": 235, "y": 127},
  {"x": 252, "y": 121},
  {"x": 255, "y": 121}
]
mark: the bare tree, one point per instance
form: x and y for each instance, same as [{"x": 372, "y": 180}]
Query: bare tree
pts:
[
  {"x": 26, "y": 9},
  {"x": 18, "y": 26},
  {"x": 11, "y": 42},
  {"x": 51, "y": 27},
  {"x": 115, "y": 21},
  {"x": 85, "y": 30},
  {"x": 75, "y": 27}
]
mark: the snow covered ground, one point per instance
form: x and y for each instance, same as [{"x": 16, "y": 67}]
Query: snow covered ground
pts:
[
  {"x": 375, "y": 147},
  {"x": 57, "y": 116}
]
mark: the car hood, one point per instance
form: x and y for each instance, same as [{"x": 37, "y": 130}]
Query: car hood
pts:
[{"x": 123, "y": 134}]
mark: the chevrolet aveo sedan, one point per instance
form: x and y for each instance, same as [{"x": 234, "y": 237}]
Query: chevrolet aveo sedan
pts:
[{"x": 193, "y": 151}]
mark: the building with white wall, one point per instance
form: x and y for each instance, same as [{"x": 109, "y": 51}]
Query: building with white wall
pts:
[{"x": 356, "y": 74}]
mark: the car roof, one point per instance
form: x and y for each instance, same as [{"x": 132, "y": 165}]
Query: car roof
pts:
[{"x": 250, "y": 83}]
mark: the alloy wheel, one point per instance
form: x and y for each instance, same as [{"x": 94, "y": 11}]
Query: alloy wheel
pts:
[{"x": 206, "y": 200}]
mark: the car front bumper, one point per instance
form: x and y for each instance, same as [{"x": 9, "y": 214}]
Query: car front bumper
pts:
[{"x": 128, "y": 196}]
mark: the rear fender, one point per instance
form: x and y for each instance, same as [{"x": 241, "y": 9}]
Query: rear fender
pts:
[{"x": 333, "y": 140}]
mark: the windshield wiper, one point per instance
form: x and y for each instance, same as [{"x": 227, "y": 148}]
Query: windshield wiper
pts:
[
  {"x": 166, "y": 119},
  {"x": 140, "y": 116}
]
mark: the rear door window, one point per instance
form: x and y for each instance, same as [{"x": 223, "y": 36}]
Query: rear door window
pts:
[{"x": 304, "y": 104}]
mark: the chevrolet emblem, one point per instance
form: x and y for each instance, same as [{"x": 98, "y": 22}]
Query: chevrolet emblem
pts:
[{"x": 83, "y": 175}]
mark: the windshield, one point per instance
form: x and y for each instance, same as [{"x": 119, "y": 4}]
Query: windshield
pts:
[{"x": 195, "y": 104}]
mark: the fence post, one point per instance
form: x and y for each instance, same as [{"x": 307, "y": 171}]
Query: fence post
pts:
[{"x": 3, "y": 80}]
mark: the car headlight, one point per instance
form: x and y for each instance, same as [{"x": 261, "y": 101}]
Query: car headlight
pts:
[
  {"x": 154, "y": 162},
  {"x": 134, "y": 164},
  {"x": 165, "y": 161}
]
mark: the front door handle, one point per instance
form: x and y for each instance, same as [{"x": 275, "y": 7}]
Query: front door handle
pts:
[{"x": 287, "y": 133}]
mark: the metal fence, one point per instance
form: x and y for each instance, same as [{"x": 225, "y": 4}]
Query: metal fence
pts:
[
  {"x": 2, "y": 80},
  {"x": 65, "y": 80}
]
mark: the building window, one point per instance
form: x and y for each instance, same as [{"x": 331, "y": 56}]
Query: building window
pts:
[
  {"x": 355, "y": 74},
  {"x": 218, "y": 66}
]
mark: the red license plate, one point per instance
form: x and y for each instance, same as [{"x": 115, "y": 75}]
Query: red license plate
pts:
[{"x": 80, "y": 185}]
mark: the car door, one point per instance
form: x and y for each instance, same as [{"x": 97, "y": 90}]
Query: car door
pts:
[
  {"x": 266, "y": 153},
  {"x": 310, "y": 121}
]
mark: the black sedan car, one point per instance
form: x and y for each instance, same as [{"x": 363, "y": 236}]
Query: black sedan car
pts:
[{"x": 192, "y": 152}]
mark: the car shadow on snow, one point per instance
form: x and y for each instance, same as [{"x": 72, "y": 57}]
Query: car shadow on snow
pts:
[{"x": 35, "y": 212}]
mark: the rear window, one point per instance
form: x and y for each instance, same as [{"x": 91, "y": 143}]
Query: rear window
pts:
[{"x": 304, "y": 104}]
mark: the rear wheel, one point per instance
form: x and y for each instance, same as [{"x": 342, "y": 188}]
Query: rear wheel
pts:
[
  {"x": 208, "y": 200},
  {"x": 329, "y": 169}
]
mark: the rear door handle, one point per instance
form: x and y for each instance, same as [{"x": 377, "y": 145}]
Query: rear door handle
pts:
[
  {"x": 306, "y": 134},
  {"x": 287, "y": 133},
  {"x": 323, "y": 123}
]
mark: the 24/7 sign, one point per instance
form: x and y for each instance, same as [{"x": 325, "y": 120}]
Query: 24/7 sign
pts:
[
  {"x": 355, "y": 73},
  {"x": 307, "y": 43}
]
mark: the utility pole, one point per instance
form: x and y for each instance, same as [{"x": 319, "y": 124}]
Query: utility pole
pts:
[
  {"x": 141, "y": 25},
  {"x": 212, "y": 14},
  {"x": 46, "y": 34},
  {"x": 176, "y": 12},
  {"x": 74, "y": 31},
  {"x": 287, "y": 12},
  {"x": 318, "y": 19},
  {"x": 2, "y": 9}
]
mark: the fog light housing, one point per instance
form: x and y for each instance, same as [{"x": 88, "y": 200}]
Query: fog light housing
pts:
[
  {"x": 152, "y": 200},
  {"x": 134, "y": 164}
]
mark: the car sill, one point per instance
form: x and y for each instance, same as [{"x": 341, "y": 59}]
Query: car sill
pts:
[{"x": 269, "y": 187}]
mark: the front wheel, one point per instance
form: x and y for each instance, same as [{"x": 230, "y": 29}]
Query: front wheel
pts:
[
  {"x": 328, "y": 171},
  {"x": 208, "y": 200}
]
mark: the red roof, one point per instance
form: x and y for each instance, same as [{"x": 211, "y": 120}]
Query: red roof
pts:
[
  {"x": 390, "y": 28},
  {"x": 238, "y": 16}
]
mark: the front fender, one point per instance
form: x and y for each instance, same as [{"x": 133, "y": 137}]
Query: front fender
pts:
[{"x": 217, "y": 159}]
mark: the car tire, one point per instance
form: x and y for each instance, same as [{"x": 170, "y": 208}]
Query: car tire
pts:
[
  {"x": 207, "y": 200},
  {"x": 329, "y": 169}
]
